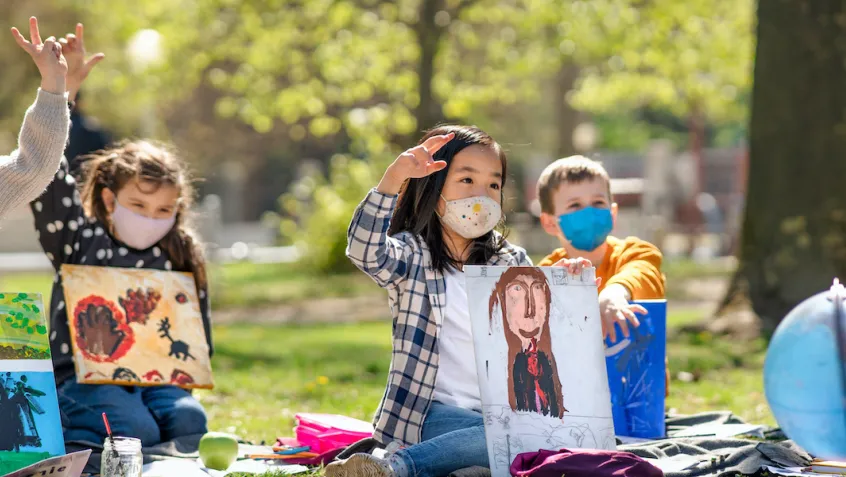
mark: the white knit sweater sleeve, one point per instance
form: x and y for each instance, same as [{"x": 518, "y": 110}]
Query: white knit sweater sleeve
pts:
[{"x": 29, "y": 169}]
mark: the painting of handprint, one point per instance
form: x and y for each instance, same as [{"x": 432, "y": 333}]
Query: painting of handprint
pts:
[
  {"x": 138, "y": 304},
  {"x": 102, "y": 334}
]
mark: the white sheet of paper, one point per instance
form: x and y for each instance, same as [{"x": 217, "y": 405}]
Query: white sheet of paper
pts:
[
  {"x": 561, "y": 313},
  {"x": 675, "y": 463},
  {"x": 194, "y": 468},
  {"x": 170, "y": 467},
  {"x": 794, "y": 472}
]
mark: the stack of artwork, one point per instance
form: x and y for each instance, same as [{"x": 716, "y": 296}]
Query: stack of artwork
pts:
[
  {"x": 540, "y": 361},
  {"x": 136, "y": 327},
  {"x": 30, "y": 425}
]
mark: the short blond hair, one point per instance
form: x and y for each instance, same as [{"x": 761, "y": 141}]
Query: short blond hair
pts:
[{"x": 572, "y": 170}]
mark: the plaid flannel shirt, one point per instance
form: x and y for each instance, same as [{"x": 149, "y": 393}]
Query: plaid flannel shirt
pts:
[{"x": 402, "y": 265}]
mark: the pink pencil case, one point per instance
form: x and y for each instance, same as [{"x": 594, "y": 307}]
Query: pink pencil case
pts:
[{"x": 325, "y": 432}]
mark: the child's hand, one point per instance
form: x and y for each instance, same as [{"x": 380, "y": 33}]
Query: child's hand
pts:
[
  {"x": 47, "y": 57},
  {"x": 575, "y": 265},
  {"x": 666, "y": 377},
  {"x": 414, "y": 163},
  {"x": 73, "y": 47},
  {"x": 614, "y": 307}
]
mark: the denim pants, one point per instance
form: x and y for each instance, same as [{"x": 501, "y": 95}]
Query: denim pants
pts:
[
  {"x": 153, "y": 414},
  {"x": 453, "y": 438}
]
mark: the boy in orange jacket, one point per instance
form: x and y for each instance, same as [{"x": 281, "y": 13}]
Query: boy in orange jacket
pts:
[{"x": 577, "y": 208}]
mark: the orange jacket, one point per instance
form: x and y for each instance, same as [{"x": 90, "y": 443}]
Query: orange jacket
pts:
[{"x": 631, "y": 262}]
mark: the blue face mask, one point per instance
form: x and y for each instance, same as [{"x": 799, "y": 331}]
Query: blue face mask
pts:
[{"x": 586, "y": 229}]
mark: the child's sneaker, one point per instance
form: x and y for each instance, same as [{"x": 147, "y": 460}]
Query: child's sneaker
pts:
[{"x": 360, "y": 465}]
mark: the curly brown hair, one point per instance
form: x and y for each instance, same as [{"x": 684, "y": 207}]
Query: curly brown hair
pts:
[{"x": 154, "y": 165}]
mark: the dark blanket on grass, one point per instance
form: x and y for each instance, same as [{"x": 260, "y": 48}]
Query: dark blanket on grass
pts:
[{"x": 719, "y": 457}]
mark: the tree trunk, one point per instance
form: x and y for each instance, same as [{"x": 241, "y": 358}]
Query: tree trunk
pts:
[
  {"x": 566, "y": 118},
  {"x": 794, "y": 232},
  {"x": 428, "y": 112}
]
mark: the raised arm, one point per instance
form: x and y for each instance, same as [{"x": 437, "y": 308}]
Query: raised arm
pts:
[
  {"x": 28, "y": 170},
  {"x": 386, "y": 259}
]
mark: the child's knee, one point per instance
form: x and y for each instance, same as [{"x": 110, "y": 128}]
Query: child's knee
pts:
[{"x": 188, "y": 417}]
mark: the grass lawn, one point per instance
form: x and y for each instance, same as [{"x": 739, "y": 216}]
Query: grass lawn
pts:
[{"x": 342, "y": 369}]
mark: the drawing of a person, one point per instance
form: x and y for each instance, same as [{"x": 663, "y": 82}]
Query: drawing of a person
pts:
[{"x": 524, "y": 297}]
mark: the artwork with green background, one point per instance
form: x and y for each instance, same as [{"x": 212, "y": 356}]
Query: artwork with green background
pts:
[{"x": 23, "y": 327}]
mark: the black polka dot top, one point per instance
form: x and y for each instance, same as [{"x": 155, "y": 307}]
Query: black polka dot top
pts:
[{"x": 68, "y": 236}]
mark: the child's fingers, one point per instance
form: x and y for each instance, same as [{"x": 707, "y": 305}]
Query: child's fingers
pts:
[
  {"x": 421, "y": 156},
  {"x": 434, "y": 167},
  {"x": 638, "y": 309},
  {"x": 80, "y": 32},
  {"x": 434, "y": 143},
  {"x": 34, "y": 34},
  {"x": 49, "y": 46},
  {"x": 624, "y": 325},
  {"x": 21, "y": 41},
  {"x": 631, "y": 317},
  {"x": 598, "y": 281},
  {"x": 610, "y": 330},
  {"x": 92, "y": 62}
]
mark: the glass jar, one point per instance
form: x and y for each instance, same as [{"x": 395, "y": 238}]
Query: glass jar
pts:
[{"x": 123, "y": 459}]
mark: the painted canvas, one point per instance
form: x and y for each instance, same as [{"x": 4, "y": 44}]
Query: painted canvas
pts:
[
  {"x": 636, "y": 374},
  {"x": 540, "y": 360},
  {"x": 23, "y": 327},
  {"x": 30, "y": 425},
  {"x": 136, "y": 327}
]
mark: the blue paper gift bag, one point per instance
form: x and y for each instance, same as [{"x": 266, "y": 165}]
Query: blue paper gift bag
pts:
[{"x": 636, "y": 374}]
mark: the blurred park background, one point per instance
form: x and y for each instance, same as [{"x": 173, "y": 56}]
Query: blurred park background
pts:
[{"x": 289, "y": 111}]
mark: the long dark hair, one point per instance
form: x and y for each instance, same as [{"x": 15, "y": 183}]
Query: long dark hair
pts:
[
  {"x": 418, "y": 200},
  {"x": 157, "y": 165}
]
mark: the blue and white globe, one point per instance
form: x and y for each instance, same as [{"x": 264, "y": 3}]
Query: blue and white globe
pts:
[{"x": 804, "y": 375}]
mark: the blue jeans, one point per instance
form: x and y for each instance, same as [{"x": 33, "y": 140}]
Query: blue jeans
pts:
[
  {"x": 453, "y": 438},
  {"x": 152, "y": 414}
]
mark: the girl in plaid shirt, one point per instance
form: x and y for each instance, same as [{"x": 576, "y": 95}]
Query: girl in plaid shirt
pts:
[{"x": 434, "y": 211}]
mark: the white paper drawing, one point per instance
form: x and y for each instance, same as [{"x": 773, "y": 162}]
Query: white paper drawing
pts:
[{"x": 540, "y": 359}]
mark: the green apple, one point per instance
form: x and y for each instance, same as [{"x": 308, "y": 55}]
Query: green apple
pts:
[{"x": 218, "y": 450}]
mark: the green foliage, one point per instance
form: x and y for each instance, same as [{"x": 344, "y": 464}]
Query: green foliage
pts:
[
  {"x": 683, "y": 57},
  {"x": 320, "y": 209}
]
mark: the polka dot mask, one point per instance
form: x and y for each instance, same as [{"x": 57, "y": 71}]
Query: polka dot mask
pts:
[{"x": 471, "y": 217}]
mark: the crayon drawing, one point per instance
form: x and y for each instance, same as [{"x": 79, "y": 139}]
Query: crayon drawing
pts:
[
  {"x": 136, "y": 327},
  {"x": 23, "y": 327},
  {"x": 29, "y": 411},
  {"x": 635, "y": 368},
  {"x": 540, "y": 360}
]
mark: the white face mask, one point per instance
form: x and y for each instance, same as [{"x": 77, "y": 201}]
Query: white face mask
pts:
[
  {"x": 137, "y": 231},
  {"x": 471, "y": 217}
]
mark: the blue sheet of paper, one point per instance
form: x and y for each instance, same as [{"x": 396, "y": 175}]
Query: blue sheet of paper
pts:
[{"x": 636, "y": 374}]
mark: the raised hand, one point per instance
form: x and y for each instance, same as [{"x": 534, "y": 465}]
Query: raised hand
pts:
[
  {"x": 47, "y": 56},
  {"x": 73, "y": 47},
  {"x": 414, "y": 163}
]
